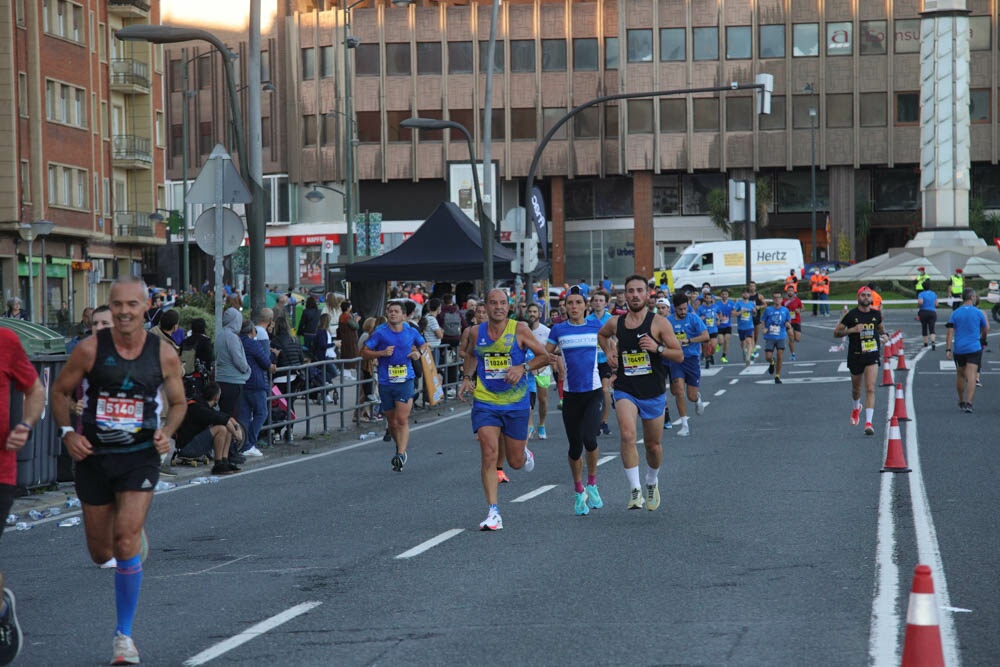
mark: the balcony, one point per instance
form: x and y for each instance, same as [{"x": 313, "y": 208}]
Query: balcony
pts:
[
  {"x": 135, "y": 8},
  {"x": 129, "y": 76},
  {"x": 131, "y": 152},
  {"x": 135, "y": 228}
]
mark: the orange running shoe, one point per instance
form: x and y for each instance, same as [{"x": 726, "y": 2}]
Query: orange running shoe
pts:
[
  {"x": 855, "y": 417},
  {"x": 502, "y": 477}
]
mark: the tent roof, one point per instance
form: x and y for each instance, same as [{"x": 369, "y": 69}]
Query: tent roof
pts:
[{"x": 445, "y": 247}]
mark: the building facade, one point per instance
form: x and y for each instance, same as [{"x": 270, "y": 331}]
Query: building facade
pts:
[
  {"x": 83, "y": 136},
  {"x": 628, "y": 183}
]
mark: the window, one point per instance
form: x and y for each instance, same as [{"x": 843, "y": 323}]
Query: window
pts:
[
  {"x": 366, "y": 60},
  {"x": 549, "y": 118},
  {"x": 265, "y": 132},
  {"x": 673, "y": 115},
  {"x": 66, "y": 191},
  {"x": 587, "y": 124},
  {"x": 308, "y": 64},
  {"x": 78, "y": 27},
  {"x": 839, "y": 39},
  {"x": 175, "y": 75},
  {"x": 873, "y": 109},
  {"x": 96, "y": 191},
  {"x": 553, "y": 55},
  {"x": 872, "y": 38},
  {"x": 794, "y": 191},
  {"x": 611, "y": 121},
  {"x": 430, "y": 135},
  {"x": 496, "y": 123},
  {"x": 65, "y": 104},
  {"x": 522, "y": 55},
  {"x": 369, "y": 127},
  {"x": 393, "y": 130},
  {"x": 22, "y": 94},
  {"x": 666, "y": 195},
  {"x": 204, "y": 71},
  {"x": 979, "y": 33},
  {"x": 498, "y": 59},
  {"x": 739, "y": 114},
  {"x": 160, "y": 129},
  {"x": 695, "y": 189},
  {"x": 907, "y": 36},
  {"x": 805, "y": 40},
  {"x": 19, "y": 12},
  {"x": 640, "y": 116},
  {"x": 738, "y": 46},
  {"x": 325, "y": 63},
  {"x": 639, "y": 45},
  {"x": 839, "y": 110},
  {"x": 613, "y": 198},
  {"x": 82, "y": 188},
  {"x": 907, "y": 108},
  {"x": 105, "y": 119},
  {"x": 80, "y": 107},
  {"x": 673, "y": 46},
  {"x": 205, "y": 139},
  {"x": 579, "y": 198},
  {"x": 979, "y": 105},
  {"x": 706, "y": 43},
  {"x": 896, "y": 189},
  {"x": 106, "y": 197},
  {"x": 772, "y": 41},
  {"x": 265, "y": 66},
  {"x": 776, "y": 119},
  {"x": 429, "y": 58},
  {"x": 522, "y": 121},
  {"x": 25, "y": 182},
  {"x": 309, "y": 131},
  {"x": 611, "y": 53},
  {"x": 53, "y": 184},
  {"x": 397, "y": 59},
  {"x": 462, "y": 117},
  {"x": 176, "y": 140},
  {"x": 706, "y": 114},
  {"x": 459, "y": 57},
  {"x": 801, "y": 118},
  {"x": 585, "y": 54}
]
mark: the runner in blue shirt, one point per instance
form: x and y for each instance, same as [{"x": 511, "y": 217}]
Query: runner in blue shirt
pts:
[
  {"x": 967, "y": 329},
  {"x": 724, "y": 308},
  {"x": 709, "y": 315},
  {"x": 777, "y": 323},
  {"x": 395, "y": 345},
  {"x": 599, "y": 313},
  {"x": 583, "y": 395},
  {"x": 685, "y": 376},
  {"x": 745, "y": 310},
  {"x": 927, "y": 314}
]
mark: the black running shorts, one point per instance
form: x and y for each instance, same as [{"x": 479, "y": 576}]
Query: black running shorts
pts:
[
  {"x": 858, "y": 363},
  {"x": 100, "y": 476}
]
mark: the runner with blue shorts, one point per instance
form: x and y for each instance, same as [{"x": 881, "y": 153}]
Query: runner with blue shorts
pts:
[
  {"x": 643, "y": 339},
  {"x": 685, "y": 376},
  {"x": 495, "y": 371}
]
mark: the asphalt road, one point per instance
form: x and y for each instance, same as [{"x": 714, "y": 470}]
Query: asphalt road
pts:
[{"x": 778, "y": 543}]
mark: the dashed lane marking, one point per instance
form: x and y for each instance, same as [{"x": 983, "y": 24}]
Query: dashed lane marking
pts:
[
  {"x": 433, "y": 542},
  {"x": 708, "y": 372},
  {"x": 604, "y": 459},
  {"x": 719, "y": 393},
  {"x": 754, "y": 370},
  {"x": 800, "y": 372},
  {"x": 734, "y": 381},
  {"x": 532, "y": 494},
  {"x": 252, "y": 632}
]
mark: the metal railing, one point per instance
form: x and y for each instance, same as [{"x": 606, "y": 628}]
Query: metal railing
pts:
[
  {"x": 131, "y": 147},
  {"x": 134, "y": 225},
  {"x": 129, "y": 72}
]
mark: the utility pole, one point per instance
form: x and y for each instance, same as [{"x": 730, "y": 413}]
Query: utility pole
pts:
[
  {"x": 257, "y": 230},
  {"x": 487, "y": 145}
]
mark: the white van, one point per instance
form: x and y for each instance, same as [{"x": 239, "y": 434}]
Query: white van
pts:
[{"x": 723, "y": 263}]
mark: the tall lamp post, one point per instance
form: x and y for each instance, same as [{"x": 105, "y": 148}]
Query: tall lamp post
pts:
[
  {"x": 29, "y": 231},
  {"x": 161, "y": 34},
  {"x": 350, "y": 141},
  {"x": 812, "y": 157},
  {"x": 350, "y": 42},
  {"x": 485, "y": 224}
]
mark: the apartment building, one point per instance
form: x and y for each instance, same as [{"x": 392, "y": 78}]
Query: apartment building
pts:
[{"x": 81, "y": 146}]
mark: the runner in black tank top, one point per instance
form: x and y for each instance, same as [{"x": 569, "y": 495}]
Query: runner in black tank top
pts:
[{"x": 640, "y": 385}]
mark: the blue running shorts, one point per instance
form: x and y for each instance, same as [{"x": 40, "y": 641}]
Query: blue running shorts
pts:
[
  {"x": 689, "y": 370},
  {"x": 512, "y": 423},
  {"x": 391, "y": 393},
  {"x": 649, "y": 408}
]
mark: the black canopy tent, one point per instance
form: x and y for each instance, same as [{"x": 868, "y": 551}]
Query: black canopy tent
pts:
[{"x": 446, "y": 247}]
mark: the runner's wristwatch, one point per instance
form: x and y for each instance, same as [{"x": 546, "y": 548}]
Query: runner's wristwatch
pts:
[
  {"x": 660, "y": 349},
  {"x": 64, "y": 431}
]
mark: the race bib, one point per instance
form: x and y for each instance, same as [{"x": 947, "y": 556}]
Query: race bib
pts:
[
  {"x": 869, "y": 345},
  {"x": 774, "y": 329},
  {"x": 119, "y": 414},
  {"x": 745, "y": 315},
  {"x": 723, "y": 319},
  {"x": 681, "y": 336},
  {"x": 397, "y": 373},
  {"x": 709, "y": 321},
  {"x": 636, "y": 363},
  {"x": 496, "y": 365}
]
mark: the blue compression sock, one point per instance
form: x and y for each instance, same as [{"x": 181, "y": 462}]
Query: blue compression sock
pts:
[{"x": 128, "y": 581}]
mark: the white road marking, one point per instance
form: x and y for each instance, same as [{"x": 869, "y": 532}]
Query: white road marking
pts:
[
  {"x": 758, "y": 369},
  {"x": 708, "y": 372},
  {"x": 433, "y": 542},
  {"x": 799, "y": 363},
  {"x": 734, "y": 381},
  {"x": 252, "y": 632},
  {"x": 842, "y": 368},
  {"x": 532, "y": 494},
  {"x": 800, "y": 372},
  {"x": 604, "y": 459},
  {"x": 957, "y": 610},
  {"x": 719, "y": 393},
  {"x": 946, "y": 365}
]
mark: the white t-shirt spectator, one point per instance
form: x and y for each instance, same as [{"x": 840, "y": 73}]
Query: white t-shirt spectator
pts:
[{"x": 432, "y": 332}]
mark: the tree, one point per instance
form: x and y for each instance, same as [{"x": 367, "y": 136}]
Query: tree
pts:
[
  {"x": 718, "y": 209},
  {"x": 985, "y": 225}
]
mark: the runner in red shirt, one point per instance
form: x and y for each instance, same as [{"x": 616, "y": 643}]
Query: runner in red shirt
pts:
[{"x": 794, "y": 306}]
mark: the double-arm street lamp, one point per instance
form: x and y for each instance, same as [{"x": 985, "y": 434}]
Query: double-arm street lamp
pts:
[
  {"x": 485, "y": 224},
  {"x": 161, "y": 34},
  {"x": 29, "y": 231}
]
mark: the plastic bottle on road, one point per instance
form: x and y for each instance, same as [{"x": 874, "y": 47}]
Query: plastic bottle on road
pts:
[
  {"x": 205, "y": 480},
  {"x": 71, "y": 521},
  {"x": 164, "y": 486},
  {"x": 72, "y": 502},
  {"x": 35, "y": 515},
  {"x": 21, "y": 525}
]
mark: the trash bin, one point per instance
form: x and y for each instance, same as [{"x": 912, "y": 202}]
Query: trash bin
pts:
[
  {"x": 42, "y": 461},
  {"x": 35, "y": 339}
]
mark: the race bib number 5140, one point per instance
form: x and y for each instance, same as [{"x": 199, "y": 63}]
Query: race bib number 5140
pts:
[{"x": 119, "y": 414}]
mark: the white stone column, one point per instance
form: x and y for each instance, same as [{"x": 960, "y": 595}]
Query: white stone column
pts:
[{"x": 944, "y": 115}]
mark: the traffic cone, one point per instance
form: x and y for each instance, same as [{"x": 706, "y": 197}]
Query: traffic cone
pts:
[
  {"x": 895, "y": 343},
  {"x": 894, "y": 459},
  {"x": 901, "y": 361},
  {"x": 922, "y": 646},
  {"x": 899, "y": 412},
  {"x": 886, "y": 373}
]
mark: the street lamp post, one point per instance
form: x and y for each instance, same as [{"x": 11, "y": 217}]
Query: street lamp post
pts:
[
  {"x": 350, "y": 42},
  {"x": 812, "y": 157},
  {"x": 485, "y": 224},
  {"x": 29, "y": 231},
  {"x": 350, "y": 141},
  {"x": 161, "y": 34}
]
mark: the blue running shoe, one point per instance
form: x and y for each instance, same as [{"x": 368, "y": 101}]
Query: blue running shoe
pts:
[
  {"x": 580, "y": 504},
  {"x": 593, "y": 497}
]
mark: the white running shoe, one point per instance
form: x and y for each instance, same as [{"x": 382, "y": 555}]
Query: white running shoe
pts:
[
  {"x": 529, "y": 460},
  {"x": 635, "y": 499},
  {"x": 652, "y": 496},
  {"x": 699, "y": 407},
  {"x": 492, "y": 522},
  {"x": 124, "y": 651},
  {"x": 684, "y": 431},
  {"x": 253, "y": 452}
]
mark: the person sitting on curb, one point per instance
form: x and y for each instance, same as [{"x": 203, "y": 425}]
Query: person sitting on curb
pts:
[{"x": 205, "y": 429}]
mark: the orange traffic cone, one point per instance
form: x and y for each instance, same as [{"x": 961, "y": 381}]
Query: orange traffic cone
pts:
[
  {"x": 894, "y": 459},
  {"x": 886, "y": 373},
  {"x": 897, "y": 343},
  {"x": 922, "y": 646},
  {"x": 899, "y": 412}
]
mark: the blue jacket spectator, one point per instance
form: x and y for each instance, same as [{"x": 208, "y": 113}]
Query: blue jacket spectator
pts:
[{"x": 257, "y": 359}]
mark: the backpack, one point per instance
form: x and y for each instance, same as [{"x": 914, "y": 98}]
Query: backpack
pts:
[
  {"x": 189, "y": 361},
  {"x": 452, "y": 324}
]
